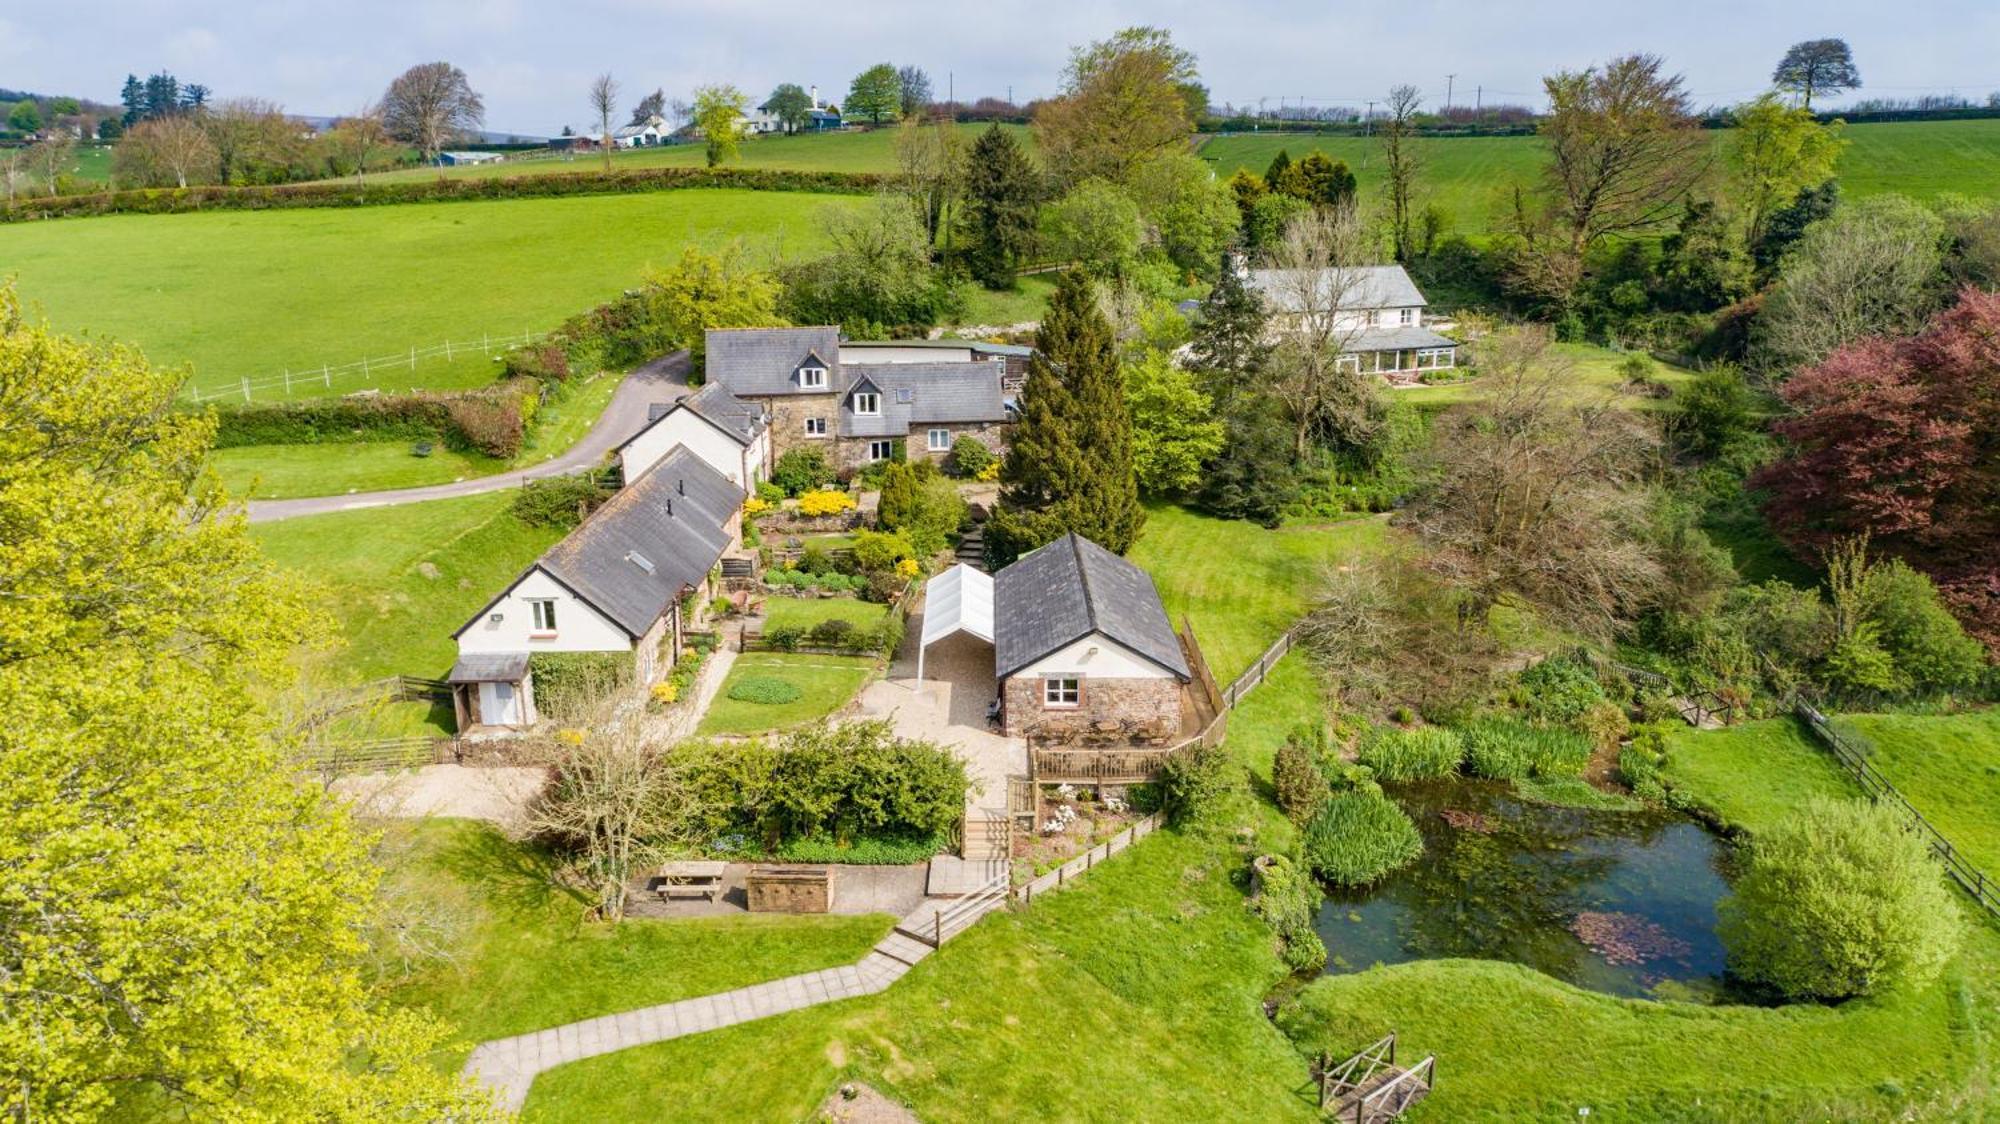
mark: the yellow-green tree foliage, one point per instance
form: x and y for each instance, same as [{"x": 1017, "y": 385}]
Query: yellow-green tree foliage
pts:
[
  {"x": 703, "y": 291},
  {"x": 1776, "y": 151},
  {"x": 180, "y": 921}
]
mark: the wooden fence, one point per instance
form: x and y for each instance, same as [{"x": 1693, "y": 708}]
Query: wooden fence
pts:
[
  {"x": 1984, "y": 889},
  {"x": 380, "y": 754},
  {"x": 1259, "y": 670}
]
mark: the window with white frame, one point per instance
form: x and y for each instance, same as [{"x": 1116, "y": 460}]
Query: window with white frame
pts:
[
  {"x": 543, "y": 612},
  {"x": 1348, "y": 364},
  {"x": 867, "y": 402},
  {"x": 1406, "y": 316},
  {"x": 815, "y": 427},
  {"x": 812, "y": 378},
  {"x": 1434, "y": 358},
  {"x": 1062, "y": 690},
  {"x": 881, "y": 450},
  {"x": 1374, "y": 317},
  {"x": 938, "y": 440}
]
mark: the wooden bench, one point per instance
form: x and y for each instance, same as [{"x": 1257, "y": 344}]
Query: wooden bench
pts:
[{"x": 690, "y": 880}]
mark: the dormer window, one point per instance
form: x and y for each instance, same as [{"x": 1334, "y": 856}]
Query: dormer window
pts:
[
  {"x": 1407, "y": 316},
  {"x": 867, "y": 403},
  {"x": 812, "y": 378}
]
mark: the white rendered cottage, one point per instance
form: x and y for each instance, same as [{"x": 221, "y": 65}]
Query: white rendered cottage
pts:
[
  {"x": 1379, "y": 311},
  {"x": 615, "y": 584},
  {"x": 733, "y": 436}
]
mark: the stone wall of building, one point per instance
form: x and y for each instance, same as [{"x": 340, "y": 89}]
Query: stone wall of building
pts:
[
  {"x": 1113, "y": 712},
  {"x": 847, "y": 454}
]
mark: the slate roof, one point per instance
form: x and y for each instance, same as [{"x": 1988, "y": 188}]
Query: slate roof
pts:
[
  {"x": 489, "y": 667},
  {"x": 919, "y": 394},
  {"x": 1375, "y": 286},
  {"x": 1397, "y": 339},
  {"x": 1069, "y": 589},
  {"x": 942, "y": 343},
  {"x": 741, "y": 420},
  {"x": 674, "y": 519},
  {"x": 761, "y": 361}
]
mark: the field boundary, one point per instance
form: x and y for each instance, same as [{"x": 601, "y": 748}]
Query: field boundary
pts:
[
  {"x": 1984, "y": 890},
  {"x": 367, "y": 366}
]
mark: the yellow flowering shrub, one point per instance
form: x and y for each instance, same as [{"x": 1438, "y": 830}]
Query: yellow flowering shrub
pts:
[
  {"x": 906, "y": 569},
  {"x": 570, "y": 737},
  {"x": 820, "y": 503},
  {"x": 990, "y": 473},
  {"x": 666, "y": 691},
  {"x": 754, "y": 506}
]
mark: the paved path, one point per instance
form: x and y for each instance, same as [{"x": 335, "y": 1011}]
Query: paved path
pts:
[
  {"x": 663, "y": 380},
  {"x": 509, "y": 1066}
]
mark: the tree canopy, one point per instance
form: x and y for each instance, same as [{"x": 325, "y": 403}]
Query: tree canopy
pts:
[
  {"x": 790, "y": 105},
  {"x": 1817, "y": 66},
  {"x": 875, "y": 93},
  {"x": 718, "y": 113},
  {"x": 1125, "y": 99},
  {"x": 430, "y": 105},
  {"x": 1002, "y": 191}
]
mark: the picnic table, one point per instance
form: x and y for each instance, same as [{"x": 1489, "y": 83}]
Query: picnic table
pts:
[{"x": 689, "y": 880}]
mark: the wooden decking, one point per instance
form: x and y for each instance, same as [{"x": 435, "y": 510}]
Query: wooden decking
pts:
[{"x": 1370, "y": 1088}]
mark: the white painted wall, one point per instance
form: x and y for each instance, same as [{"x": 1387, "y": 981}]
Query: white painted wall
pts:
[
  {"x": 681, "y": 427},
  {"x": 1096, "y": 656},
  {"x": 864, "y": 353},
  {"x": 579, "y": 628}
]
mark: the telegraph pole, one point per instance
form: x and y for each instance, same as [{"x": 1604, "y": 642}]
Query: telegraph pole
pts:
[
  {"x": 1368, "y": 122},
  {"x": 1448, "y": 80}
]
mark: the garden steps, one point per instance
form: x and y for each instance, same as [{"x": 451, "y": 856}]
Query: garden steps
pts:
[
  {"x": 989, "y": 836},
  {"x": 939, "y": 920},
  {"x": 972, "y": 548},
  {"x": 954, "y": 877}
]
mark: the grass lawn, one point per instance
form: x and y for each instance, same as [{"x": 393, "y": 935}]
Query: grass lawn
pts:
[
  {"x": 984, "y": 307},
  {"x": 805, "y": 612},
  {"x": 400, "y": 580},
  {"x": 238, "y": 294},
  {"x": 269, "y": 472},
  {"x": 1471, "y": 176},
  {"x": 865, "y": 151},
  {"x": 1133, "y": 996},
  {"x": 1597, "y": 370},
  {"x": 1949, "y": 767},
  {"x": 1240, "y": 584},
  {"x": 825, "y": 684},
  {"x": 526, "y": 960},
  {"x": 1753, "y": 773}
]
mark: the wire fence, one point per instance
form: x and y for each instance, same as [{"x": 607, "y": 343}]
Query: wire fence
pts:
[{"x": 359, "y": 375}]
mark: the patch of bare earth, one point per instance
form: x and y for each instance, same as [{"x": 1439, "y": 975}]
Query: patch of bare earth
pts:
[{"x": 857, "y": 1103}]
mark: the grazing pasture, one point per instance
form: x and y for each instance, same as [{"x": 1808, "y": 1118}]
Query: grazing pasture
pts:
[
  {"x": 250, "y": 294},
  {"x": 1470, "y": 177}
]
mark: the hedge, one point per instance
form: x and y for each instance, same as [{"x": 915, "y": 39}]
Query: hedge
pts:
[
  {"x": 492, "y": 420},
  {"x": 566, "y": 683},
  {"x": 157, "y": 201}
]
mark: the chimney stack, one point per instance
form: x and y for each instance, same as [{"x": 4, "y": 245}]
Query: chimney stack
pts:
[{"x": 815, "y": 97}]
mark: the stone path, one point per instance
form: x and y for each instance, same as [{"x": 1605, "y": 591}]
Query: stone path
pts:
[{"x": 509, "y": 1066}]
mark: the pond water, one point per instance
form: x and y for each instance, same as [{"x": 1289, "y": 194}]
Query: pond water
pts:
[{"x": 1619, "y": 902}]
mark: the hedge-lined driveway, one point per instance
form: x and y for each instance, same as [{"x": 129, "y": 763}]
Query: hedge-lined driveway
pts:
[{"x": 663, "y": 380}]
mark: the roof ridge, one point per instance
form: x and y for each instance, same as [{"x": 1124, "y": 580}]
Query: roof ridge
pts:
[{"x": 1083, "y": 580}]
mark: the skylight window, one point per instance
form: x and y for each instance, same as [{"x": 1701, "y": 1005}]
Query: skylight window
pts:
[{"x": 639, "y": 560}]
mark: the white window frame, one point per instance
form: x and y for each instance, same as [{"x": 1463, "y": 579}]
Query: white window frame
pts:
[
  {"x": 1349, "y": 364},
  {"x": 1374, "y": 317},
  {"x": 888, "y": 450},
  {"x": 815, "y": 427},
  {"x": 812, "y": 378},
  {"x": 1062, "y": 692},
  {"x": 542, "y": 614},
  {"x": 1435, "y": 359},
  {"x": 1406, "y": 317},
  {"x": 938, "y": 440},
  {"x": 867, "y": 403}
]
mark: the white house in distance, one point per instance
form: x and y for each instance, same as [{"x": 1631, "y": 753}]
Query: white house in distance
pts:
[
  {"x": 731, "y": 435},
  {"x": 646, "y": 134},
  {"x": 1378, "y": 304},
  {"x": 818, "y": 117},
  {"x": 615, "y": 584}
]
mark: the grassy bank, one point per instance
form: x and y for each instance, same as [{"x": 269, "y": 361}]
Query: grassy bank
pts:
[
  {"x": 1241, "y": 585},
  {"x": 524, "y": 958},
  {"x": 400, "y": 580},
  {"x": 254, "y": 293},
  {"x": 1949, "y": 767},
  {"x": 1470, "y": 177}
]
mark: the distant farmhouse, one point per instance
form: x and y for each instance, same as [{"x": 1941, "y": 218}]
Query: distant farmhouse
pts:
[
  {"x": 868, "y": 402},
  {"x": 819, "y": 118},
  {"x": 1380, "y": 309},
  {"x": 651, "y": 132}
]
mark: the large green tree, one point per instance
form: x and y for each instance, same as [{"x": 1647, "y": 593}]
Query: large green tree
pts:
[
  {"x": 1002, "y": 189},
  {"x": 181, "y": 920},
  {"x": 1775, "y": 152},
  {"x": 1125, "y": 100},
  {"x": 790, "y": 105},
  {"x": 875, "y": 93},
  {"x": 718, "y": 113},
  {"x": 1069, "y": 460},
  {"x": 703, "y": 291}
]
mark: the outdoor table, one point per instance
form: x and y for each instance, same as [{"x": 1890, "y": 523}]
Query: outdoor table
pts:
[{"x": 689, "y": 880}]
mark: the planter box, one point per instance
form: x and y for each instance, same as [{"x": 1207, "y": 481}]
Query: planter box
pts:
[{"x": 789, "y": 889}]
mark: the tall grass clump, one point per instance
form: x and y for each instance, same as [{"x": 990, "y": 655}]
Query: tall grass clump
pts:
[
  {"x": 1506, "y": 749},
  {"x": 1359, "y": 837},
  {"x": 1422, "y": 754}
]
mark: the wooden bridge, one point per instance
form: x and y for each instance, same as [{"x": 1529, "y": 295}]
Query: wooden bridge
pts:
[{"x": 1370, "y": 1088}]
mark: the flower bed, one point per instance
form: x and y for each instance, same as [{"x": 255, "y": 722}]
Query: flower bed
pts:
[{"x": 1072, "y": 821}]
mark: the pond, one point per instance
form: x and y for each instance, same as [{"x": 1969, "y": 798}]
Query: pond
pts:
[{"x": 1618, "y": 902}]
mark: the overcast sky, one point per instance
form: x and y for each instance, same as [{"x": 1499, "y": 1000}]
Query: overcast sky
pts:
[{"x": 532, "y": 61}]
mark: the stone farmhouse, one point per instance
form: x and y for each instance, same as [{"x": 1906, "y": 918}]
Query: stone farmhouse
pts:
[
  {"x": 1083, "y": 653},
  {"x": 615, "y": 584},
  {"x": 1380, "y": 311},
  {"x": 863, "y": 403}
]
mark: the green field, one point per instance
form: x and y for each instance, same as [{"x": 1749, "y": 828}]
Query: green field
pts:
[
  {"x": 250, "y": 294},
  {"x": 1470, "y": 176},
  {"x": 871, "y": 150},
  {"x": 400, "y": 580},
  {"x": 1949, "y": 767},
  {"x": 524, "y": 958}
]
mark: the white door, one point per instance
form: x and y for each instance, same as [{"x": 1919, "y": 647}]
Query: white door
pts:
[{"x": 499, "y": 705}]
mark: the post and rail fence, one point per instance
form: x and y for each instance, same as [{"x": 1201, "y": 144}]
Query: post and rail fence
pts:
[
  {"x": 1985, "y": 890},
  {"x": 366, "y": 369}
]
